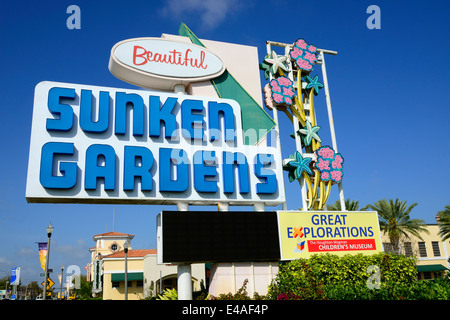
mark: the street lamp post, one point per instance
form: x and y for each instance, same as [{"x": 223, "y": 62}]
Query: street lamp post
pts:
[
  {"x": 60, "y": 288},
  {"x": 49, "y": 234},
  {"x": 125, "y": 249}
]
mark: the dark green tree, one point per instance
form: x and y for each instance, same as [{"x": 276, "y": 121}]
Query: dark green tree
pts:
[
  {"x": 85, "y": 291},
  {"x": 395, "y": 220},
  {"x": 443, "y": 218},
  {"x": 350, "y": 205}
]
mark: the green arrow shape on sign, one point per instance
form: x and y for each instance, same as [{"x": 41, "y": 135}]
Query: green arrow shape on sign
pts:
[{"x": 227, "y": 87}]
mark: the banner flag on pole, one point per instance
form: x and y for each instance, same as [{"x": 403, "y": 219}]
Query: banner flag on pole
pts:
[
  {"x": 227, "y": 87},
  {"x": 15, "y": 276},
  {"x": 42, "y": 253}
]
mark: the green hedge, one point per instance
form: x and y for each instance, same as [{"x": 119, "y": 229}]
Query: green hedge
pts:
[{"x": 328, "y": 276}]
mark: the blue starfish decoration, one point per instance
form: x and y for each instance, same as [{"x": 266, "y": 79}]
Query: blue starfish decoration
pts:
[
  {"x": 310, "y": 133},
  {"x": 314, "y": 83},
  {"x": 297, "y": 165}
]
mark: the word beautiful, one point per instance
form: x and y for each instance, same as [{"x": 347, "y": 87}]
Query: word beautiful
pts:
[
  {"x": 113, "y": 144},
  {"x": 157, "y": 63},
  {"x": 141, "y": 56}
]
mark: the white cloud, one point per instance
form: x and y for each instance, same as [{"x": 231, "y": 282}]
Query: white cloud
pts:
[
  {"x": 211, "y": 12},
  {"x": 78, "y": 251},
  {"x": 28, "y": 252},
  {"x": 4, "y": 261}
]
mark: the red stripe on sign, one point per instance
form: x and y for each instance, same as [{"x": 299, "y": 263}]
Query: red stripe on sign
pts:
[{"x": 341, "y": 245}]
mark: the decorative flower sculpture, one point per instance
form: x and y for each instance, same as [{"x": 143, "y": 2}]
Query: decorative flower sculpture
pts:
[
  {"x": 268, "y": 97},
  {"x": 313, "y": 83},
  {"x": 329, "y": 164},
  {"x": 282, "y": 91},
  {"x": 297, "y": 165},
  {"x": 303, "y": 54}
]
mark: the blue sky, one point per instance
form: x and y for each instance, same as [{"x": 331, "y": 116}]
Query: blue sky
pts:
[{"x": 388, "y": 87}]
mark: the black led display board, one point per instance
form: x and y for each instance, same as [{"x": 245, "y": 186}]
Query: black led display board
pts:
[{"x": 213, "y": 236}]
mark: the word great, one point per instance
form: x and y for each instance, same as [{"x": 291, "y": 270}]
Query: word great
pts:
[{"x": 97, "y": 144}]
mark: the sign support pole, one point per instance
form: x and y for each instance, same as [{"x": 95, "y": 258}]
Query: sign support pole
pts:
[
  {"x": 331, "y": 122},
  {"x": 184, "y": 271}
]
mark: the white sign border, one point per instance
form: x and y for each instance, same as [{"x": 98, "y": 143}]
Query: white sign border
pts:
[
  {"x": 35, "y": 192},
  {"x": 150, "y": 80}
]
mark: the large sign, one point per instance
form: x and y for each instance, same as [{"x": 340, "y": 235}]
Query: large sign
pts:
[
  {"x": 304, "y": 233},
  {"x": 157, "y": 63},
  {"x": 94, "y": 144},
  {"x": 205, "y": 236}
]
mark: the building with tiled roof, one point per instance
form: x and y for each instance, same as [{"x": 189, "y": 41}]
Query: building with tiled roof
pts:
[
  {"x": 144, "y": 276},
  {"x": 114, "y": 274},
  {"x": 112, "y": 234},
  {"x": 136, "y": 253}
]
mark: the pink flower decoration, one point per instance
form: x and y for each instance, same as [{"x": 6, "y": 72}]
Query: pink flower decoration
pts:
[
  {"x": 303, "y": 54},
  {"x": 310, "y": 57},
  {"x": 337, "y": 163},
  {"x": 336, "y": 175},
  {"x": 304, "y": 64},
  {"x": 285, "y": 81},
  {"x": 282, "y": 90},
  {"x": 278, "y": 98},
  {"x": 288, "y": 92},
  {"x": 275, "y": 86},
  {"x": 325, "y": 157},
  {"x": 326, "y": 153},
  {"x": 301, "y": 43},
  {"x": 311, "y": 48},
  {"x": 323, "y": 164},
  {"x": 296, "y": 53}
]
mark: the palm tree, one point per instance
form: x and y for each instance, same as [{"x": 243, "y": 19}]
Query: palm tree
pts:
[
  {"x": 350, "y": 205},
  {"x": 395, "y": 220},
  {"x": 443, "y": 218}
]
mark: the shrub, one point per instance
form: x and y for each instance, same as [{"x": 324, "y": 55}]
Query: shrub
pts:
[
  {"x": 241, "y": 294},
  {"x": 296, "y": 281},
  {"x": 352, "y": 269},
  {"x": 332, "y": 277}
]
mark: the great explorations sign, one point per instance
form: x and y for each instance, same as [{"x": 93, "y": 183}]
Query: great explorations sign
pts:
[
  {"x": 108, "y": 145},
  {"x": 157, "y": 63},
  {"x": 304, "y": 233}
]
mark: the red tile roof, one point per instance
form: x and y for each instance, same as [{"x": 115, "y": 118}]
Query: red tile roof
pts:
[
  {"x": 113, "y": 234},
  {"x": 136, "y": 253}
]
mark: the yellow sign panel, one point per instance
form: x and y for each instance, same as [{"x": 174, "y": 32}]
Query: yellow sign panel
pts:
[
  {"x": 303, "y": 233},
  {"x": 50, "y": 283}
]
